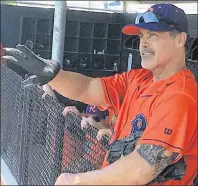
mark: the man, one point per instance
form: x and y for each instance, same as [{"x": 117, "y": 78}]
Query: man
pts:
[{"x": 155, "y": 135}]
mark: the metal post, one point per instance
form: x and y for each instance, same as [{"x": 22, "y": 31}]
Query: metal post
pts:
[
  {"x": 124, "y": 9},
  {"x": 59, "y": 31},
  {"x": 24, "y": 147}
]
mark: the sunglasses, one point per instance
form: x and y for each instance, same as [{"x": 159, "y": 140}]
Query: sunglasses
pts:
[{"x": 150, "y": 17}]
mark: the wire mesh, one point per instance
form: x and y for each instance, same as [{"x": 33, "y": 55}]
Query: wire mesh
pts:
[
  {"x": 50, "y": 143},
  {"x": 85, "y": 155},
  {"x": 11, "y": 119},
  {"x": 43, "y": 118}
]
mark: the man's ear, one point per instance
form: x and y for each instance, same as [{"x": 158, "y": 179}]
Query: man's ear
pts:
[{"x": 182, "y": 37}]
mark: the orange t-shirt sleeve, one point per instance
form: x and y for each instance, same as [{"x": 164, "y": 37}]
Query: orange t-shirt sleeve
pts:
[
  {"x": 115, "y": 88},
  {"x": 173, "y": 123}
]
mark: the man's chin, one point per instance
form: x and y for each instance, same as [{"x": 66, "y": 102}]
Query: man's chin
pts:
[{"x": 147, "y": 65}]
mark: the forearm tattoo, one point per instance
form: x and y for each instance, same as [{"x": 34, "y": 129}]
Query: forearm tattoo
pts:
[{"x": 156, "y": 156}]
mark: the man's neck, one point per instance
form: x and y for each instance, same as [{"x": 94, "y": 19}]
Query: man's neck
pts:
[{"x": 168, "y": 71}]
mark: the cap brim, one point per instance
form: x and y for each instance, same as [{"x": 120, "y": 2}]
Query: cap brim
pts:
[{"x": 134, "y": 29}]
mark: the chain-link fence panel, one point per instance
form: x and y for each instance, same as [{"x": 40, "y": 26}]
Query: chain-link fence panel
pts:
[
  {"x": 43, "y": 119},
  {"x": 82, "y": 152},
  {"x": 11, "y": 119},
  {"x": 38, "y": 142}
]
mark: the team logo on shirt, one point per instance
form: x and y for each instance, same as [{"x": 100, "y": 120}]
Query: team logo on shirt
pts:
[{"x": 138, "y": 124}]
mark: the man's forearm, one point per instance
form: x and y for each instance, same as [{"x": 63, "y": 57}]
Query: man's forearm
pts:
[
  {"x": 123, "y": 172},
  {"x": 140, "y": 167},
  {"x": 70, "y": 84}
]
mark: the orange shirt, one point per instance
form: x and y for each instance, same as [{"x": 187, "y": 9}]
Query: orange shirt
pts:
[{"x": 165, "y": 110}]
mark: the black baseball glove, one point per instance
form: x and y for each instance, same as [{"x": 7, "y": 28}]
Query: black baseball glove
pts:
[{"x": 43, "y": 70}]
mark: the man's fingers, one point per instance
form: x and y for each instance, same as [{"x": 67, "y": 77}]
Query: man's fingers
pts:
[
  {"x": 10, "y": 59},
  {"x": 32, "y": 80},
  {"x": 23, "y": 49},
  {"x": 19, "y": 55}
]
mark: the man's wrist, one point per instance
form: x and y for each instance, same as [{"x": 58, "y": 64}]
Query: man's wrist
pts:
[
  {"x": 88, "y": 178},
  {"x": 80, "y": 179},
  {"x": 77, "y": 180}
]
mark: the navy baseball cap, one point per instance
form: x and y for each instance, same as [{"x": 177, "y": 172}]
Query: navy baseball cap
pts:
[
  {"x": 96, "y": 111},
  {"x": 159, "y": 18}
]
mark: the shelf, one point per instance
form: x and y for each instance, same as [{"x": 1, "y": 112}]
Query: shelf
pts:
[
  {"x": 84, "y": 61},
  {"x": 43, "y": 42},
  {"x": 100, "y": 30},
  {"x": 112, "y": 63},
  {"x": 113, "y": 46},
  {"x": 72, "y": 28},
  {"x": 71, "y": 36},
  {"x": 70, "y": 60},
  {"x": 101, "y": 70},
  {"x": 70, "y": 52},
  {"x": 42, "y": 50},
  {"x": 132, "y": 42},
  {"x": 92, "y": 70},
  {"x": 82, "y": 39},
  {"x": 118, "y": 55},
  {"x": 46, "y": 54},
  {"x": 114, "y": 39},
  {"x": 114, "y": 31},
  {"x": 70, "y": 69},
  {"x": 86, "y": 29},
  {"x": 29, "y": 25},
  {"x": 194, "y": 50},
  {"x": 71, "y": 44},
  {"x": 87, "y": 53},
  {"x": 85, "y": 45},
  {"x": 88, "y": 37},
  {"x": 26, "y": 37},
  {"x": 33, "y": 34},
  {"x": 98, "y": 62},
  {"x": 100, "y": 38},
  {"x": 44, "y": 26},
  {"x": 99, "y": 45},
  {"x": 100, "y": 73}
]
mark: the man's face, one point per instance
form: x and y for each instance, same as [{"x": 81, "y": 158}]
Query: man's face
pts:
[{"x": 156, "y": 49}]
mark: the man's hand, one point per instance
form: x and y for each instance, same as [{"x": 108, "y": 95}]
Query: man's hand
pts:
[
  {"x": 67, "y": 179},
  {"x": 43, "y": 70}
]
